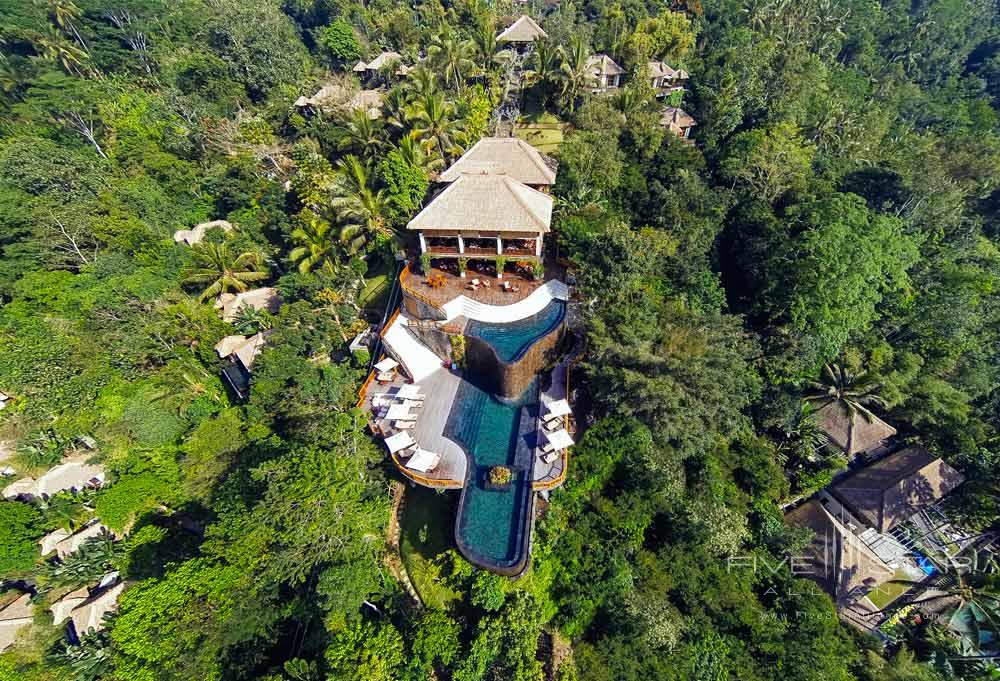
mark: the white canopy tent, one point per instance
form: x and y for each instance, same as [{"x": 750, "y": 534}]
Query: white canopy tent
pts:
[
  {"x": 387, "y": 364},
  {"x": 557, "y": 409},
  {"x": 399, "y": 442},
  {"x": 423, "y": 460},
  {"x": 558, "y": 440}
]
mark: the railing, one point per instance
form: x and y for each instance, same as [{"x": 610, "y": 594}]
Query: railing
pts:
[
  {"x": 363, "y": 390},
  {"x": 441, "y": 250},
  {"x": 406, "y": 274},
  {"x": 429, "y": 482},
  {"x": 519, "y": 251}
]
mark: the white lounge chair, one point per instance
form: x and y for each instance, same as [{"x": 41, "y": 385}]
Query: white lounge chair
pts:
[
  {"x": 551, "y": 456},
  {"x": 404, "y": 425},
  {"x": 400, "y": 442}
]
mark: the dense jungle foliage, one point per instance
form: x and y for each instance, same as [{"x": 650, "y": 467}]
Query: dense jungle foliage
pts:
[{"x": 840, "y": 204}]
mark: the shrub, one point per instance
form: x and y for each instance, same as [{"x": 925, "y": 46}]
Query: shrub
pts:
[
  {"x": 339, "y": 39},
  {"x": 425, "y": 263},
  {"x": 19, "y": 529},
  {"x": 500, "y": 475}
]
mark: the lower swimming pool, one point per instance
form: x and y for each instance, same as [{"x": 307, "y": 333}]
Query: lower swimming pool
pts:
[
  {"x": 511, "y": 340},
  {"x": 492, "y": 525}
]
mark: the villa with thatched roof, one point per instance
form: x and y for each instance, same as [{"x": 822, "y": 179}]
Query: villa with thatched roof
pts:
[
  {"x": 73, "y": 473},
  {"x": 665, "y": 78},
  {"x": 678, "y": 121},
  {"x": 381, "y": 62},
  {"x": 266, "y": 298},
  {"x": 504, "y": 156},
  {"x": 855, "y": 435},
  {"x": 332, "y": 97},
  {"x": 522, "y": 32},
  {"x": 85, "y": 608},
  {"x": 64, "y": 543},
  {"x": 484, "y": 215},
  {"x": 604, "y": 72},
  {"x": 836, "y": 559},
  {"x": 892, "y": 489},
  {"x": 15, "y": 615},
  {"x": 240, "y": 352}
]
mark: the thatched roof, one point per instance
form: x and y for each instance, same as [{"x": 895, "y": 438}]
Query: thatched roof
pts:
[
  {"x": 65, "y": 543},
  {"x": 74, "y": 473},
  {"x": 14, "y": 617},
  {"x": 486, "y": 202},
  {"x": 195, "y": 235},
  {"x": 504, "y": 156},
  {"x": 87, "y": 610},
  {"x": 334, "y": 96},
  {"x": 837, "y": 559},
  {"x": 266, "y": 298},
  {"x": 383, "y": 60},
  {"x": 659, "y": 69},
  {"x": 524, "y": 30},
  {"x": 897, "y": 486},
  {"x": 677, "y": 120},
  {"x": 835, "y": 421},
  {"x": 245, "y": 349},
  {"x": 603, "y": 65}
]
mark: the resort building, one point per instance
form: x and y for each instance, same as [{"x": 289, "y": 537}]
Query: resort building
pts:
[
  {"x": 464, "y": 398},
  {"x": 195, "y": 235},
  {"x": 266, "y": 299},
  {"x": 15, "y": 615},
  {"x": 73, "y": 474},
  {"x": 605, "y": 73},
  {"x": 505, "y": 156},
  {"x": 333, "y": 97},
  {"x": 666, "y": 79},
  {"x": 379, "y": 64},
  {"x": 678, "y": 121},
  {"x": 855, "y": 435},
  {"x": 64, "y": 543},
  {"x": 240, "y": 353},
  {"x": 484, "y": 215},
  {"x": 894, "y": 488},
  {"x": 85, "y": 608},
  {"x": 522, "y": 33}
]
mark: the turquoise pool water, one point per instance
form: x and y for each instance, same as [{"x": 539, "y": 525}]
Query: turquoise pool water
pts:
[
  {"x": 491, "y": 523},
  {"x": 511, "y": 340}
]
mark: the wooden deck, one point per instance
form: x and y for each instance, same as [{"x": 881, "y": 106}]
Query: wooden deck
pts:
[{"x": 454, "y": 286}]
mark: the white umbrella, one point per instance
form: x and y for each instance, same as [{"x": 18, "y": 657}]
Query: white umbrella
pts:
[
  {"x": 399, "y": 412},
  {"x": 399, "y": 441},
  {"x": 559, "y": 439},
  {"x": 408, "y": 391},
  {"x": 556, "y": 409},
  {"x": 387, "y": 364},
  {"x": 423, "y": 460}
]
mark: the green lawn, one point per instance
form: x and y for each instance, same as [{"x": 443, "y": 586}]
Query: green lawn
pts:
[
  {"x": 377, "y": 286},
  {"x": 542, "y": 130},
  {"x": 886, "y": 593},
  {"x": 427, "y": 530}
]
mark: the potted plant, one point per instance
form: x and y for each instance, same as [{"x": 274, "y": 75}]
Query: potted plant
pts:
[
  {"x": 425, "y": 263},
  {"x": 499, "y": 477},
  {"x": 537, "y": 270},
  {"x": 501, "y": 262},
  {"x": 463, "y": 264}
]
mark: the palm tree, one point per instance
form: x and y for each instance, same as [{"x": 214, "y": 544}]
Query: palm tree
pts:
[
  {"x": 394, "y": 109},
  {"x": 412, "y": 153},
  {"x": 574, "y": 76},
  {"x": 64, "y": 13},
  {"x": 71, "y": 58},
  {"x": 972, "y": 591},
  {"x": 854, "y": 392},
  {"x": 216, "y": 266},
  {"x": 543, "y": 66},
  {"x": 485, "y": 39},
  {"x": 317, "y": 244},
  {"x": 435, "y": 124},
  {"x": 452, "y": 57},
  {"x": 421, "y": 82},
  {"x": 362, "y": 206},
  {"x": 361, "y": 134}
]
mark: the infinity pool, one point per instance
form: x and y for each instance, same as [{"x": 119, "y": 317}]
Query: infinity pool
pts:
[
  {"x": 492, "y": 524},
  {"x": 511, "y": 340}
]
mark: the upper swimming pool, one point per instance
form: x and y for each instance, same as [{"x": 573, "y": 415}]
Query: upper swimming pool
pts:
[{"x": 511, "y": 340}]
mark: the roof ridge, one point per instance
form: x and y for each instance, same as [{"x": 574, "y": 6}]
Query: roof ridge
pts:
[
  {"x": 515, "y": 190},
  {"x": 536, "y": 158}
]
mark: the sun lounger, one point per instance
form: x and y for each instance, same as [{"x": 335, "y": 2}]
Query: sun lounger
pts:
[
  {"x": 413, "y": 404},
  {"x": 475, "y": 282},
  {"x": 404, "y": 425},
  {"x": 400, "y": 442},
  {"x": 551, "y": 456},
  {"x": 410, "y": 391},
  {"x": 386, "y": 377},
  {"x": 553, "y": 424}
]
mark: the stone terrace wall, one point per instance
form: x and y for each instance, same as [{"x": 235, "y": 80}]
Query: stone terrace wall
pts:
[{"x": 510, "y": 379}]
